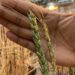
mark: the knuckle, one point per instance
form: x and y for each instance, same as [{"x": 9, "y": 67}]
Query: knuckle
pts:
[
  {"x": 9, "y": 3},
  {"x": 18, "y": 40},
  {"x": 2, "y": 12},
  {"x": 18, "y": 19},
  {"x": 18, "y": 30},
  {"x": 27, "y": 44}
]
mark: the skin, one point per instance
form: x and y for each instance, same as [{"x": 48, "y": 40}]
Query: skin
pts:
[{"x": 13, "y": 15}]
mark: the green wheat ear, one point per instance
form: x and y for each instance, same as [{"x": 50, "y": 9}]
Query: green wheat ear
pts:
[
  {"x": 36, "y": 38},
  {"x": 49, "y": 44}
]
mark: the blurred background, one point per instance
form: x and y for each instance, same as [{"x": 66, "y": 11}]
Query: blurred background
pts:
[{"x": 58, "y": 5}]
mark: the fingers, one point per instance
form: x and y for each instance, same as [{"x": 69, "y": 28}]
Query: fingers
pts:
[
  {"x": 22, "y": 32},
  {"x": 24, "y": 6},
  {"x": 14, "y": 17},
  {"x": 23, "y": 42}
]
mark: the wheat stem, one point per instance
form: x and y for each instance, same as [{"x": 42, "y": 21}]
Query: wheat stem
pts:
[
  {"x": 50, "y": 48},
  {"x": 36, "y": 38}
]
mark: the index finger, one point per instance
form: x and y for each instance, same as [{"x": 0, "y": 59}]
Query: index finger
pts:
[{"x": 23, "y": 6}]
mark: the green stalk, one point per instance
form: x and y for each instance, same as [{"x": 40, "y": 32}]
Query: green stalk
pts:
[
  {"x": 71, "y": 71},
  {"x": 55, "y": 0},
  {"x": 36, "y": 38},
  {"x": 50, "y": 48}
]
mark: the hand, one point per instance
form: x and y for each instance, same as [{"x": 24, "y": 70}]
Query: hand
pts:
[{"x": 61, "y": 26}]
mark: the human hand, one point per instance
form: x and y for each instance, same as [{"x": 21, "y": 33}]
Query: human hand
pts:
[{"x": 14, "y": 16}]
